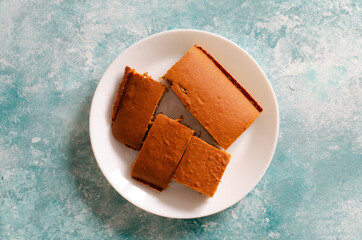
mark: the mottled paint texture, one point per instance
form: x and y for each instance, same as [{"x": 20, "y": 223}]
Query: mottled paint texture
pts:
[{"x": 52, "y": 55}]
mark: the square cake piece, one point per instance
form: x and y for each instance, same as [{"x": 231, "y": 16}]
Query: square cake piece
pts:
[
  {"x": 202, "y": 166},
  {"x": 136, "y": 101},
  {"x": 223, "y": 107},
  {"x": 161, "y": 152}
]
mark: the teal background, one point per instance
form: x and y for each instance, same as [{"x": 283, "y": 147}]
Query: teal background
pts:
[{"x": 53, "y": 54}]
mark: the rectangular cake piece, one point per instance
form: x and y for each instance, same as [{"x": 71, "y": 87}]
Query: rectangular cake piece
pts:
[
  {"x": 161, "y": 152},
  {"x": 136, "y": 101},
  {"x": 202, "y": 166},
  {"x": 213, "y": 96}
]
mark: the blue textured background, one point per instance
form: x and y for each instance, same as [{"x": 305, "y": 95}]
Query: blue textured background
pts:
[{"x": 53, "y": 54}]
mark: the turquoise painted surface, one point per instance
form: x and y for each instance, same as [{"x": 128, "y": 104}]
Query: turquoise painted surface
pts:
[{"x": 52, "y": 55}]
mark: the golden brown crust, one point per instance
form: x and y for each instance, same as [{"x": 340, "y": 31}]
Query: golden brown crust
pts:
[
  {"x": 117, "y": 100},
  {"x": 232, "y": 79},
  {"x": 210, "y": 93},
  {"x": 161, "y": 152},
  {"x": 202, "y": 167},
  {"x": 135, "y": 103}
]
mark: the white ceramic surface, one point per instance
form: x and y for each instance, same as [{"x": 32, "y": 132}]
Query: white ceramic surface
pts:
[{"x": 251, "y": 153}]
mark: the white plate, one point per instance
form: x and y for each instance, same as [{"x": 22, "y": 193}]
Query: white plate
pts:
[{"x": 251, "y": 153}]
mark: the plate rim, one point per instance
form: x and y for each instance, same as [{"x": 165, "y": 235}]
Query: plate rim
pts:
[{"x": 276, "y": 132}]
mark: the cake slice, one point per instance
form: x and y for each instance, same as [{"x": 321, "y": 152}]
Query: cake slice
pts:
[
  {"x": 202, "y": 166},
  {"x": 136, "y": 101},
  {"x": 161, "y": 152},
  {"x": 213, "y": 96}
]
